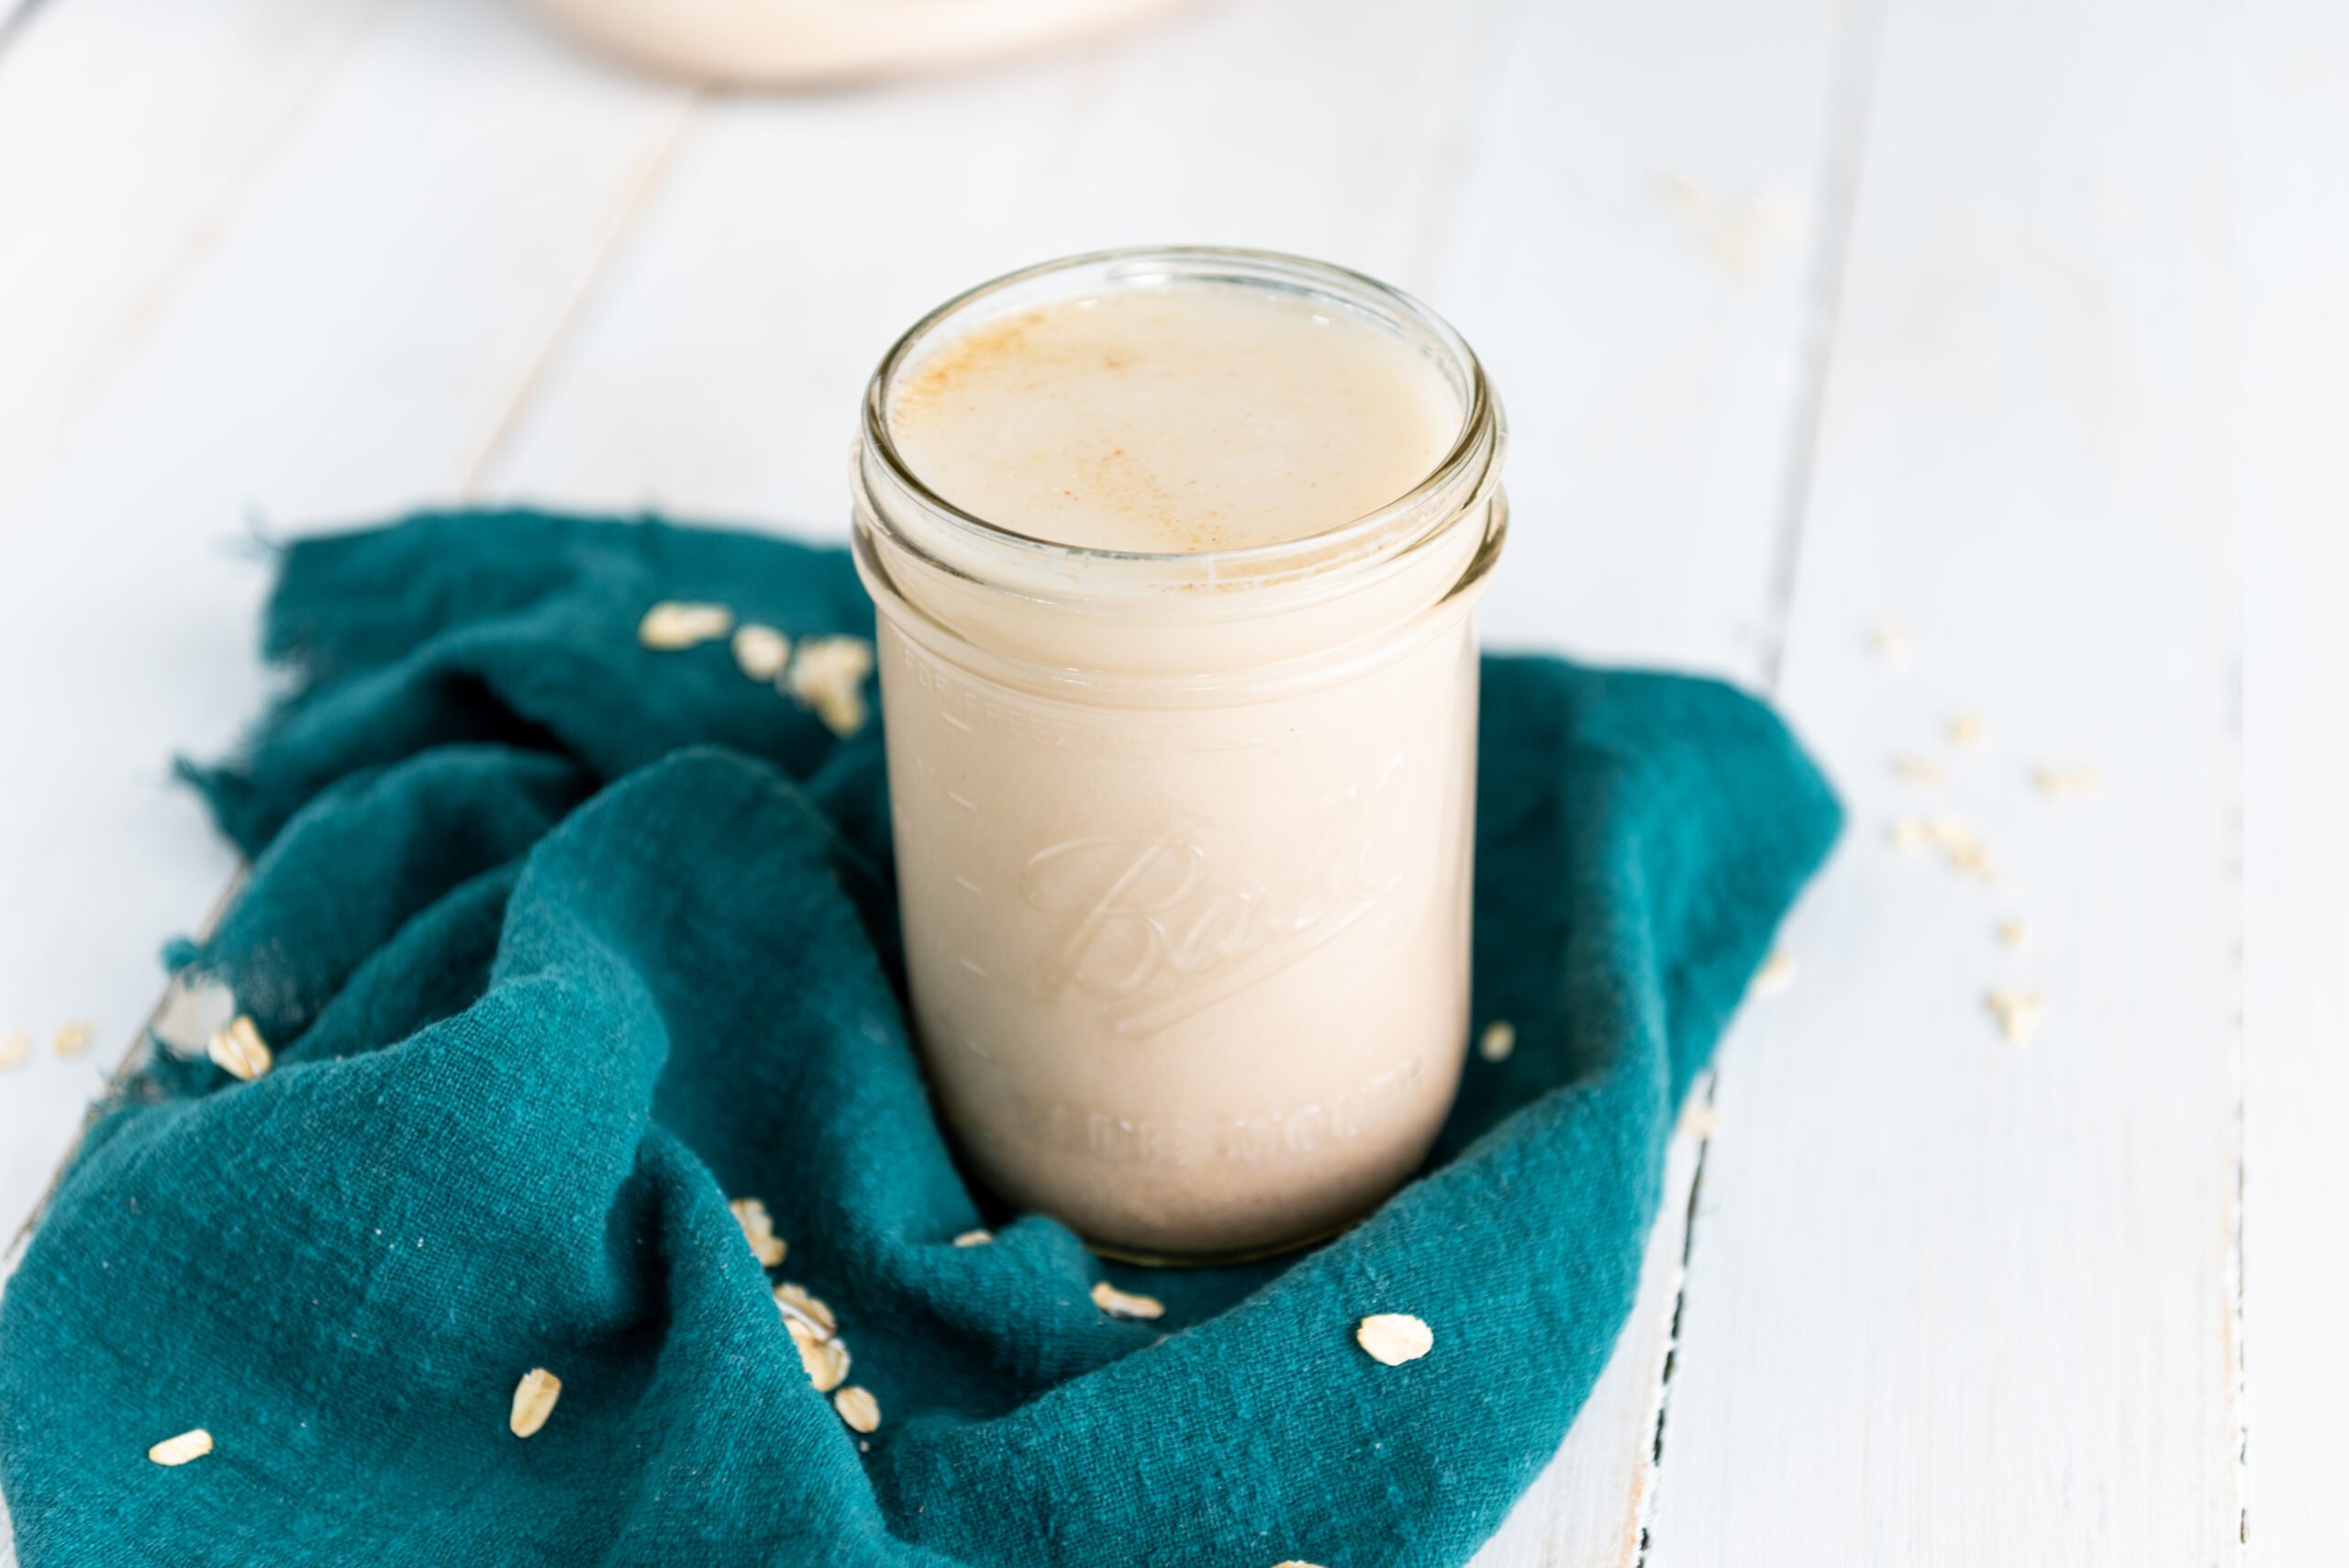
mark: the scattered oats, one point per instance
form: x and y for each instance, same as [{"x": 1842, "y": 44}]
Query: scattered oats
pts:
[
  {"x": 1122, "y": 1303},
  {"x": 1949, "y": 833},
  {"x": 844, "y": 713},
  {"x": 2018, "y": 1012},
  {"x": 1959, "y": 846},
  {"x": 195, "y": 1008},
  {"x": 1739, "y": 232},
  {"x": 1497, "y": 1040},
  {"x": 1742, "y": 235},
  {"x": 188, "y": 1445},
  {"x": 15, "y": 1046},
  {"x": 761, "y": 651},
  {"x": 1910, "y": 833},
  {"x": 798, "y": 1307},
  {"x": 2012, "y": 932},
  {"x": 974, "y": 1238},
  {"x": 1777, "y": 973},
  {"x": 858, "y": 1408},
  {"x": 534, "y": 1399},
  {"x": 239, "y": 1050},
  {"x": 828, "y": 674},
  {"x": 757, "y": 1229},
  {"x": 2068, "y": 784},
  {"x": 1918, "y": 770},
  {"x": 674, "y": 624},
  {"x": 1394, "y": 1338},
  {"x": 1973, "y": 860},
  {"x": 1889, "y": 639},
  {"x": 72, "y": 1039},
  {"x": 1687, "y": 193},
  {"x": 1777, "y": 213},
  {"x": 1968, "y": 730},
  {"x": 1699, "y": 1119},
  {"x": 824, "y": 1357}
]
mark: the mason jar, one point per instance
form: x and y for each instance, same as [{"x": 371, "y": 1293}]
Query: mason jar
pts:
[{"x": 1184, "y": 840}]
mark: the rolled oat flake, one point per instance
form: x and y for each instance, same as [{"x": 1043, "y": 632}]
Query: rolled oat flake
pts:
[
  {"x": 239, "y": 1050},
  {"x": 1126, "y": 1304},
  {"x": 1393, "y": 1337},
  {"x": 824, "y": 1358},
  {"x": 193, "y": 1444},
  {"x": 757, "y": 1229},
  {"x": 534, "y": 1399},
  {"x": 799, "y": 1307},
  {"x": 761, "y": 651},
  {"x": 858, "y": 1408},
  {"x": 674, "y": 625}
]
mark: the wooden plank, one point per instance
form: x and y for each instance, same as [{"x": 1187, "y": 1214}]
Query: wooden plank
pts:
[
  {"x": 2292, "y": 114},
  {"x": 1599, "y": 200},
  {"x": 797, "y": 236},
  {"x": 1635, "y": 253},
  {"x": 130, "y": 131},
  {"x": 1954, "y": 1300},
  {"x": 1638, "y": 255},
  {"x": 346, "y": 344}
]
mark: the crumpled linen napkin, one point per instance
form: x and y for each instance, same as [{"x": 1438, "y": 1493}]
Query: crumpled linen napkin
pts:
[{"x": 562, "y": 943}]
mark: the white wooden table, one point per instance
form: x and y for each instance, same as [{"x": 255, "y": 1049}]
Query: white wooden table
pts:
[{"x": 2021, "y": 323}]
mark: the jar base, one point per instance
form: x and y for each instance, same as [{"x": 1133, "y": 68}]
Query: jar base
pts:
[{"x": 1147, "y": 1260}]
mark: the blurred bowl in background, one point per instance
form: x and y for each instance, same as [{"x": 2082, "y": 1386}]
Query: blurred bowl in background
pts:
[{"x": 819, "y": 42}]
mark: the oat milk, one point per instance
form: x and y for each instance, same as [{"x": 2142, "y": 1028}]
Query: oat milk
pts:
[{"x": 1176, "y": 554}]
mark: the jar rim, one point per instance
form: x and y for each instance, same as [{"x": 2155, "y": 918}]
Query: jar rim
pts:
[{"x": 1479, "y": 441}]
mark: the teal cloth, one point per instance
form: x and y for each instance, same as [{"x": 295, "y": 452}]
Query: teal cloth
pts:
[{"x": 563, "y": 944}]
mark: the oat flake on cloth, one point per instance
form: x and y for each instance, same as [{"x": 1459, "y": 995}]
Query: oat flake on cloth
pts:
[{"x": 562, "y": 943}]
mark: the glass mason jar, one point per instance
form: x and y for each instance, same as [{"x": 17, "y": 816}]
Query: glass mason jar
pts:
[{"x": 1184, "y": 840}]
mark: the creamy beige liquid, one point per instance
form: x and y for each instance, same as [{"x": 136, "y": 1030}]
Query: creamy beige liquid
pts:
[
  {"x": 1190, "y": 972},
  {"x": 1174, "y": 420}
]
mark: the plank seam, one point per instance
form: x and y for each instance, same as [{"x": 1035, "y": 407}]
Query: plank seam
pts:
[
  {"x": 650, "y": 174},
  {"x": 1853, "y": 77},
  {"x": 202, "y": 243},
  {"x": 2238, "y": 1388},
  {"x": 12, "y": 23},
  {"x": 1837, "y": 201},
  {"x": 1653, "y": 1471},
  {"x": 1459, "y": 144}
]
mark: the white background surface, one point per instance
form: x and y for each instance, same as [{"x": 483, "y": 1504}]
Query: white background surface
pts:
[{"x": 2020, "y": 322}]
